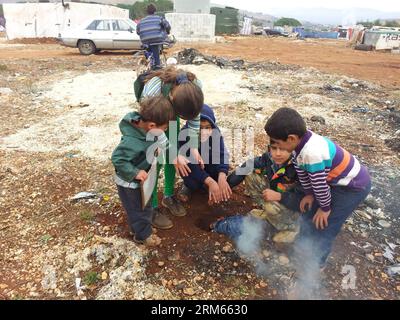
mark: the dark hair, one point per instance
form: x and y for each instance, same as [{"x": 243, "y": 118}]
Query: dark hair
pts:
[
  {"x": 156, "y": 109},
  {"x": 284, "y": 122},
  {"x": 187, "y": 97},
  {"x": 151, "y": 8}
]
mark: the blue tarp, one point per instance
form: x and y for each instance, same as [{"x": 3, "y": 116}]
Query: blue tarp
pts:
[{"x": 316, "y": 34}]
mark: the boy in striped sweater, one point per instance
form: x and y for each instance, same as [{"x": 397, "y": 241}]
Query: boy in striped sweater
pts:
[
  {"x": 153, "y": 31},
  {"x": 334, "y": 181}
]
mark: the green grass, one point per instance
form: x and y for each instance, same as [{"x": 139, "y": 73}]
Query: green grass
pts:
[
  {"x": 90, "y": 278},
  {"x": 46, "y": 238},
  {"x": 87, "y": 215}
]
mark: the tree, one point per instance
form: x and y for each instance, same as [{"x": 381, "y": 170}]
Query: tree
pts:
[
  {"x": 287, "y": 22},
  {"x": 138, "y": 9}
]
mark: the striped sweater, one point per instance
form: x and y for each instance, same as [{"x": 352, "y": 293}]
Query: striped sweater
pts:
[
  {"x": 321, "y": 163},
  {"x": 153, "y": 30},
  {"x": 153, "y": 88}
]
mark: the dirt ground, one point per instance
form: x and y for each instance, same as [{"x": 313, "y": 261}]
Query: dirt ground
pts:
[
  {"x": 326, "y": 55},
  {"x": 59, "y": 123}
]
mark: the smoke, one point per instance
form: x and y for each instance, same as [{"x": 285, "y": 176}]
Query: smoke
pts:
[
  {"x": 307, "y": 285},
  {"x": 249, "y": 242}
]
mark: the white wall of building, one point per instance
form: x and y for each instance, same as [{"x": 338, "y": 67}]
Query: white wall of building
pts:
[
  {"x": 192, "y": 27},
  {"x": 192, "y": 6},
  {"x": 38, "y": 20}
]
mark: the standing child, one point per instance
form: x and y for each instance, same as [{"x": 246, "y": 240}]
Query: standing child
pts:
[
  {"x": 334, "y": 181},
  {"x": 183, "y": 89},
  {"x": 131, "y": 163},
  {"x": 153, "y": 31}
]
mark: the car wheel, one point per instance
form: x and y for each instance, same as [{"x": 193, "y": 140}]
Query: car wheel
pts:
[{"x": 86, "y": 47}]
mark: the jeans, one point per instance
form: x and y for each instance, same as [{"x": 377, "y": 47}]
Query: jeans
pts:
[
  {"x": 139, "y": 219},
  {"x": 344, "y": 202},
  {"x": 155, "y": 50}
]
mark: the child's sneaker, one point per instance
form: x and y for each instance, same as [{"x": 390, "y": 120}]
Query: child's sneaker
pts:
[
  {"x": 161, "y": 221},
  {"x": 174, "y": 206},
  {"x": 151, "y": 241},
  {"x": 184, "y": 194}
]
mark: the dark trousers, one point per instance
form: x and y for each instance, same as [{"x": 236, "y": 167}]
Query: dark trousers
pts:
[
  {"x": 344, "y": 202},
  {"x": 155, "y": 50},
  {"x": 139, "y": 220},
  {"x": 194, "y": 181}
]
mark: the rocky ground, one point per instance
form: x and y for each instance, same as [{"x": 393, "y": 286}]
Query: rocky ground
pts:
[{"x": 59, "y": 124}]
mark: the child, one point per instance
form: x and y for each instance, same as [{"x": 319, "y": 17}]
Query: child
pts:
[
  {"x": 183, "y": 89},
  {"x": 271, "y": 181},
  {"x": 334, "y": 181},
  {"x": 153, "y": 30},
  {"x": 214, "y": 172},
  {"x": 131, "y": 164}
]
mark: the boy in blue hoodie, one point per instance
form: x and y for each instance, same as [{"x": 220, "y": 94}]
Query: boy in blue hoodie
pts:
[
  {"x": 213, "y": 174},
  {"x": 130, "y": 159}
]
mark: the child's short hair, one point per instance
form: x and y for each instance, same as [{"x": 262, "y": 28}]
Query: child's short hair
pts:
[
  {"x": 151, "y": 8},
  {"x": 284, "y": 122},
  {"x": 156, "y": 109}
]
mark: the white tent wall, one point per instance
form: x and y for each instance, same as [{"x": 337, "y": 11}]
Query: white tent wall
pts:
[{"x": 36, "y": 20}]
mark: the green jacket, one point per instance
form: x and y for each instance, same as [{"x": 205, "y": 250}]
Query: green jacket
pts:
[{"x": 129, "y": 157}]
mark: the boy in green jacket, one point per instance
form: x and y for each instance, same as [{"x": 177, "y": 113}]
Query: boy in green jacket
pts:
[{"x": 139, "y": 132}]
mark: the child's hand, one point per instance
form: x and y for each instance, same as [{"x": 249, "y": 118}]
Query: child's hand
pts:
[
  {"x": 306, "y": 203},
  {"x": 181, "y": 165},
  {"x": 271, "y": 195},
  {"x": 226, "y": 191},
  {"x": 214, "y": 192},
  {"x": 141, "y": 176},
  {"x": 198, "y": 158},
  {"x": 320, "y": 219}
]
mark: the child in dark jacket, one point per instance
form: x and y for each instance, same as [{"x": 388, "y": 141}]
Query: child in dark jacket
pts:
[
  {"x": 271, "y": 181},
  {"x": 213, "y": 174},
  {"x": 131, "y": 163}
]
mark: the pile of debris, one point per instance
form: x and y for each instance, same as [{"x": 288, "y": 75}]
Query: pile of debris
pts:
[{"x": 193, "y": 56}]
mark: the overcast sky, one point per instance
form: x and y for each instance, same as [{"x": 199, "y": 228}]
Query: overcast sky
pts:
[{"x": 269, "y": 5}]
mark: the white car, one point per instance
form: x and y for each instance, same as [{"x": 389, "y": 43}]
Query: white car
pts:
[{"x": 99, "y": 34}]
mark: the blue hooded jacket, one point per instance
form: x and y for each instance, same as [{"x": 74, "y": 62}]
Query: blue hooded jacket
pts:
[{"x": 223, "y": 164}]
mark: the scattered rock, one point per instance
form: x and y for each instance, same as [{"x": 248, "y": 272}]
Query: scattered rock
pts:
[
  {"x": 384, "y": 223},
  {"x": 227, "y": 248},
  {"x": 266, "y": 253},
  {"x": 263, "y": 284},
  {"x": 283, "y": 260},
  {"x": 370, "y": 257},
  {"x": 175, "y": 256},
  {"x": 104, "y": 276},
  {"x": 161, "y": 263},
  {"x": 5, "y": 91},
  {"x": 319, "y": 119}
]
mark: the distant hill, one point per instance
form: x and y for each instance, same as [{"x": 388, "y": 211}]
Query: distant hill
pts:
[{"x": 334, "y": 16}]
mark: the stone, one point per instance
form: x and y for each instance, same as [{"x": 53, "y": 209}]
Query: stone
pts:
[
  {"x": 161, "y": 263},
  {"x": 227, "y": 248},
  {"x": 189, "y": 291},
  {"x": 283, "y": 260},
  {"x": 263, "y": 284},
  {"x": 285, "y": 237},
  {"x": 175, "y": 256},
  {"x": 319, "y": 119},
  {"x": 384, "y": 223},
  {"x": 104, "y": 276},
  {"x": 370, "y": 257}
]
